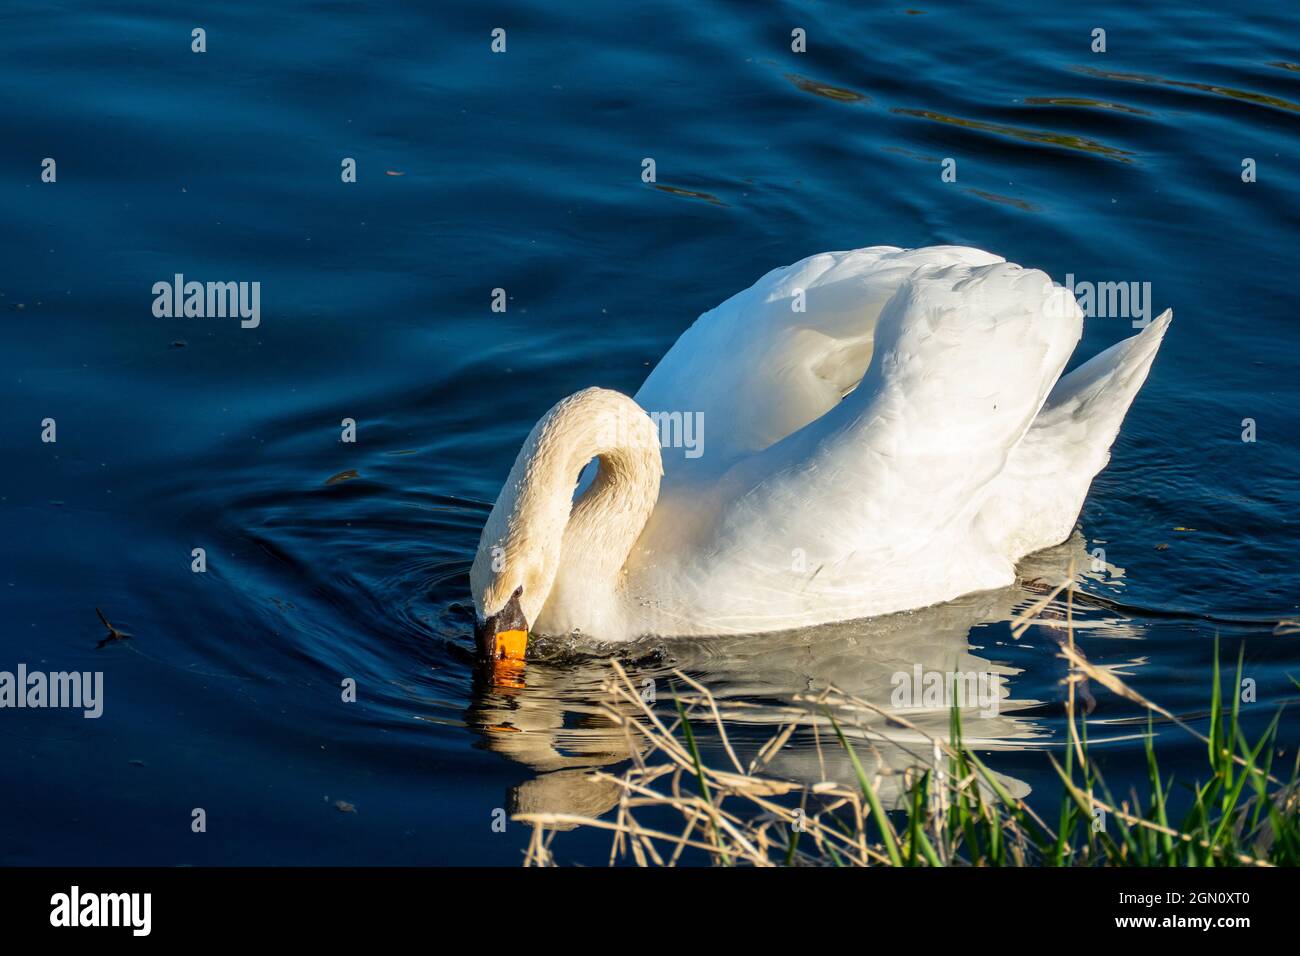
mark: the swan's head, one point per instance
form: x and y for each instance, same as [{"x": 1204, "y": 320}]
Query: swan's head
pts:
[
  {"x": 535, "y": 520},
  {"x": 514, "y": 568},
  {"x": 501, "y": 626},
  {"x": 503, "y": 635}
]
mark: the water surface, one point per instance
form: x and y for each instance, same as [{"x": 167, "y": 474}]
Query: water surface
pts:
[{"x": 522, "y": 171}]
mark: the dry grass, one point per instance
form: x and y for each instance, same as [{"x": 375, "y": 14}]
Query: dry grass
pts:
[{"x": 955, "y": 812}]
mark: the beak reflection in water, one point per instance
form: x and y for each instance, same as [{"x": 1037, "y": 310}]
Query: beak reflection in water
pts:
[{"x": 502, "y": 640}]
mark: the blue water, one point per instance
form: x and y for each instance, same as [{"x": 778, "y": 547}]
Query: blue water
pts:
[{"x": 522, "y": 171}]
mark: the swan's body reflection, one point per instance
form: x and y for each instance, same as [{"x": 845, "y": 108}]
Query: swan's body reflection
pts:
[{"x": 555, "y": 725}]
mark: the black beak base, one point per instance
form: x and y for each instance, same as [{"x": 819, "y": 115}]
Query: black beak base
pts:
[{"x": 509, "y": 618}]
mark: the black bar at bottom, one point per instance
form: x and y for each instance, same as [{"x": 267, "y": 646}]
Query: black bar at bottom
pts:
[{"x": 335, "y": 905}]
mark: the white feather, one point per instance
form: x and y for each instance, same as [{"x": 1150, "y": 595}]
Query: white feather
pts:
[{"x": 883, "y": 429}]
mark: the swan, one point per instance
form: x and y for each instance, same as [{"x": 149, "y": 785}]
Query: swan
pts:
[{"x": 876, "y": 430}]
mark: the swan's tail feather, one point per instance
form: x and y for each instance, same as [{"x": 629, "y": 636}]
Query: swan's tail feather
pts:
[
  {"x": 1039, "y": 494},
  {"x": 1100, "y": 391}
]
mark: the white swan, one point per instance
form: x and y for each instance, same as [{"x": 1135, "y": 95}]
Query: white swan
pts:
[{"x": 883, "y": 429}]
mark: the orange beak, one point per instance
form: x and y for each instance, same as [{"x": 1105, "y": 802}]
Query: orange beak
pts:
[
  {"x": 509, "y": 646},
  {"x": 506, "y": 667},
  {"x": 502, "y": 640}
]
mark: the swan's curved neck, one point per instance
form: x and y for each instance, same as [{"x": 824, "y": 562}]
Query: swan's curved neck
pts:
[{"x": 575, "y": 551}]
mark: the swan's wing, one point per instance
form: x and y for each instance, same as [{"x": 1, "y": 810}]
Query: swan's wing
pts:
[
  {"x": 1037, "y": 498},
  {"x": 780, "y": 354},
  {"x": 871, "y": 507}
]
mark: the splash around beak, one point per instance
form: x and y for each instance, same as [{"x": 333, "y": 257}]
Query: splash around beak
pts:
[{"x": 502, "y": 641}]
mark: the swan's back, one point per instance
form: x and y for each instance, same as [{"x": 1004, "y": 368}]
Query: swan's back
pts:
[
  {"x": 870, "y": 505},
  {"x": 783, "y": 352}
]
